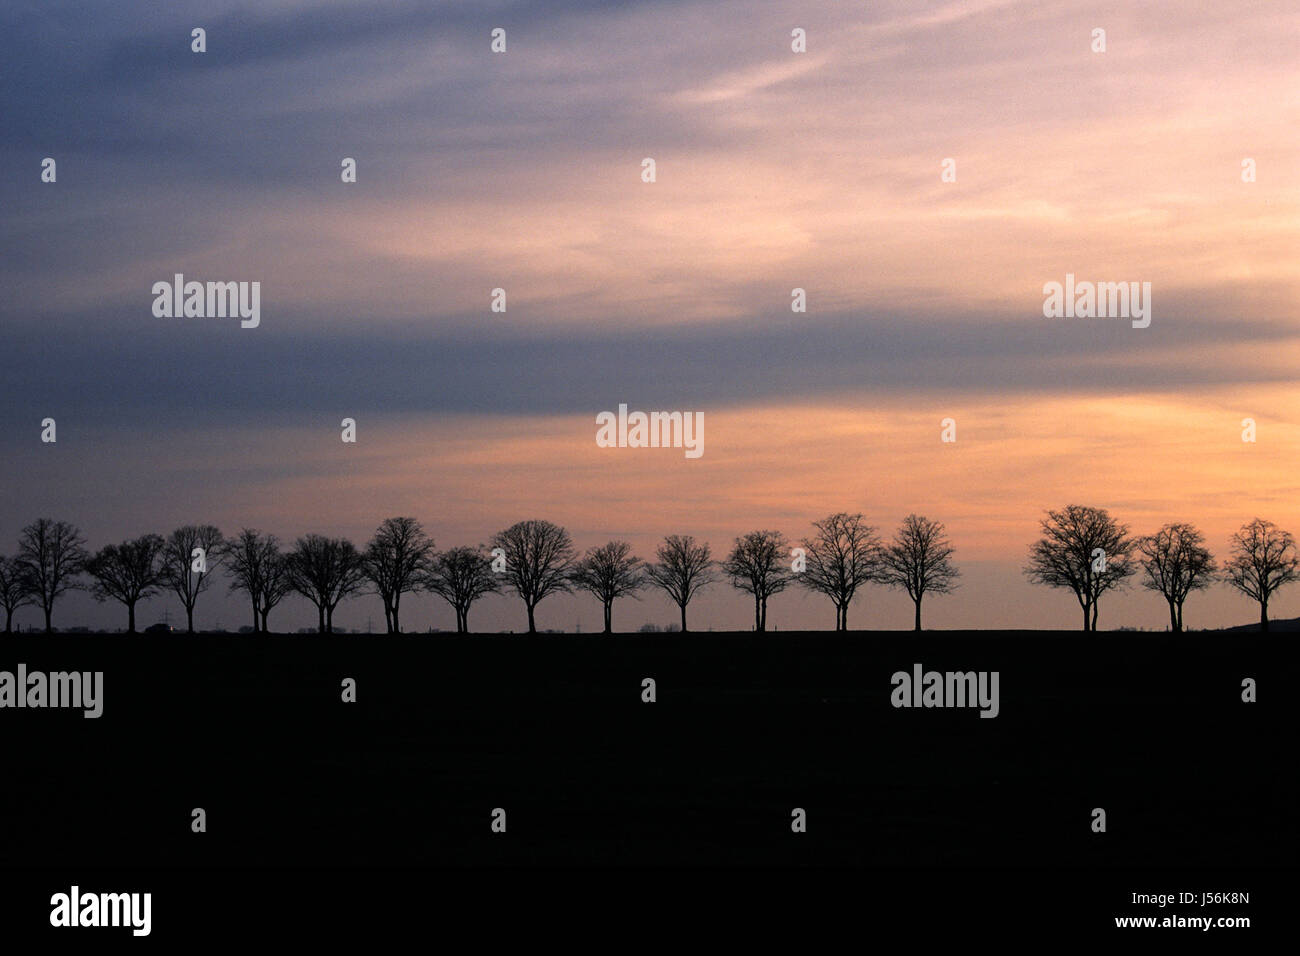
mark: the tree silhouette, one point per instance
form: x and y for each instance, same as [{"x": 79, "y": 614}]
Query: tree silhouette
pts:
[
  {"x": 919, "y": 560},
  {"x": 758, "y": 565},
  {"x": 259, "y": 569},
  {"x": 461, "y": 576},
  {"x": 396, "y": 561},
  {"x": 325, "y": 571},
  {"x": 1263, "y": 559},
  {"x": 843, "y": 554},
  {"x": 608, "y": 572},
  {"x": 277, "y": 581},
  {"x": 14, "y": 591},
  {"x": 127, "y": 572},
  {"x": 51, "y": 555},
  {"x": 683, "y": 570},
  {"x": 1084, "y": 550},
  {"x": 1176, "y": 563},
  {"x": 178, "y": 564},
  {"x": 539, "y": 556}
]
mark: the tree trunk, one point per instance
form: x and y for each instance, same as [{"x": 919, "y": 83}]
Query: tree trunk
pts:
[
  {"x": 1086, "y": 621},
  {"x": 763, "y": 623},
  {"x": 254, "y": 615},
  {"x": 758, "y": 613},
  {"x": 683, "y": 618},
  {"x": 1180, "y": 615},
  {"x": 532, "y": 624},
  {"x": 609, "y": 617},
  {"x": 9, "y": 621},
  {"x": 48, "y": 629},
  {"x": 397, "y": 628},
  {"x": 130, "y": 617},
  {"x": 329, "y": 620},
  {"x": 1263, "y": 615},
  {"x": 1173, "y": 616},
  {"x": 265, "y": 613},
  {"x": 918, "y": 615},
  {"x": 1095, "y": 606},
  {"x": 320, "y": 613},
  {"x": 189, "y": 619},
  {"x": 462, "y": 620}
]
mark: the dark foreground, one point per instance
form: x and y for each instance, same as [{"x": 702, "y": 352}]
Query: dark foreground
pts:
[{"x": 553, "y": 730}]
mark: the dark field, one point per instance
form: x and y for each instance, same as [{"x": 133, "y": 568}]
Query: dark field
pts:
[
  {"x": 935, "y": 811},
  {"x": 552, "y": 729}
]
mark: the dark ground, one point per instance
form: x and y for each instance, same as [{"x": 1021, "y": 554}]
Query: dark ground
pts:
[{"x": 552, "y": 728}]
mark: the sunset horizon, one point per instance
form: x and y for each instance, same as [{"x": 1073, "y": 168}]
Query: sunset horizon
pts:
[
  {"x": 473, "y": 466},
  {"x": 841, "y": 246}
]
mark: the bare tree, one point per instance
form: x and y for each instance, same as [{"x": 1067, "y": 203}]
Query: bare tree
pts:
[
  {"x": 539, "y": 556},
  {"x": 127, "y": 572},
  {"x": 14, "y": 591},
  {"x": 1176, "y": 563},
  {"x": 325, "y": 571},
  {"x": 189, "y": 557},
  {"x": 919, "y": 560},
  {"x": 461, "y": 576},
  {"x": 396, "y": 561},
  {"x": 609, "y": 572},
  {"x": 1263, "y": 559},
  {"x": 259, "y": 570},
  {"x": 683, "y": 570},
  {"x": 1084, "y": 550},
  {"x": 51, "y": 554},
  {"x": 758, "y": 565},
  {"x": 277, "y": 580},
  {"x": 843, "y": 554}
]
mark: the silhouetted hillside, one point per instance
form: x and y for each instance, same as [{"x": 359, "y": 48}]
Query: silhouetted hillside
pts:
[{"x": 1287, "y": 626}]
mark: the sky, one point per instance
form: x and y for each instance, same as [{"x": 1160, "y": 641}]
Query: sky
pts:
[{"x": 775, "y": 170}]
